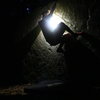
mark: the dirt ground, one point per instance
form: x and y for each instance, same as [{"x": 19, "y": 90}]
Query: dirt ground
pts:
[{"x": 13, "y": 90}]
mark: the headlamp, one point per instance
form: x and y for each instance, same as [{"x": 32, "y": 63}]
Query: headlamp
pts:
[{"x": 53, "y": 22}]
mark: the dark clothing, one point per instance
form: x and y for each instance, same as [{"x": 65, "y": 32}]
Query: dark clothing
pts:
[{"x": 53, "y": 37}]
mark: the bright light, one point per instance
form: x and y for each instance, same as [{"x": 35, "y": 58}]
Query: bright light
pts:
[{"x": 53, "y": 22}]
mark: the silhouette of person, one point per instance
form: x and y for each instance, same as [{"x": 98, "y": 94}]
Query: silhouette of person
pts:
[
  {"x": 57, "y": 36},
  {"x": 66, "y": 38}
]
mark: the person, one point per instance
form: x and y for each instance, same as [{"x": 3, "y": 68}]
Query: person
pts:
[
  {"x": 57, "y": 36},
  {"x": 68, "y": 37}
]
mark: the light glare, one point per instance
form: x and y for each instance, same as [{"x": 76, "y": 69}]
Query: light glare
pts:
[{"x": 53, "y": 22}]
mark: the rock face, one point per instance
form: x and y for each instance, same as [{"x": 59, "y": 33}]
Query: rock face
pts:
[
  {"x": 93, "y": 22},
  {"x": 76, "y": 14},
  {"x": 80, "y": 15},
  {"x": 19, "y": 32},
  {"x": 43, "y": 62},
  {"x": 19, "y": 29}
]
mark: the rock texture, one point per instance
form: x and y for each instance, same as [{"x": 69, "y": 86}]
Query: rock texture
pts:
[
  {"x": 81, "y": 15},
  {"x": 30, "y": 56}
]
